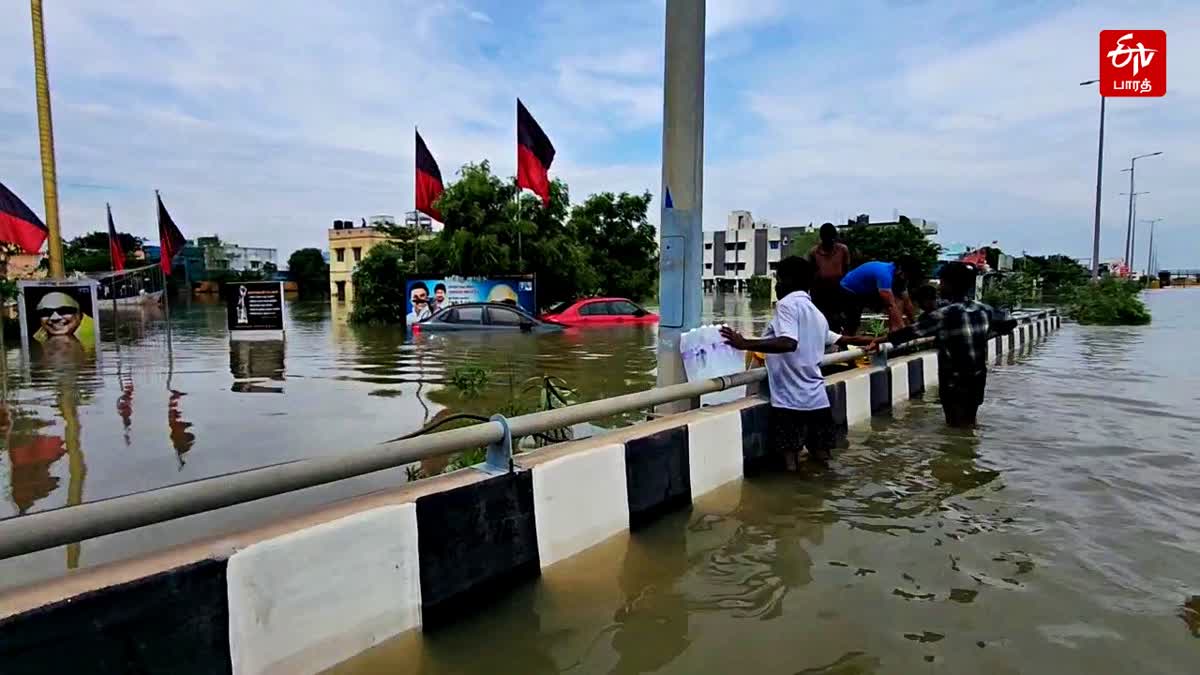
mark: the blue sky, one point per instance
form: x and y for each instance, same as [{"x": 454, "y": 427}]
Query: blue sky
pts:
[{"x": 265, "y": 121}]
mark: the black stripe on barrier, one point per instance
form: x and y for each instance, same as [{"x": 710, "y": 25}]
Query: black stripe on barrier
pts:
[
  {"x": 837, "y": 403},
  {"x": 171, "y": 622},
  {"x": 657, "y": 475},
  {"x": 916, "y": 378},
  {"x": 881, "y": 391},
  {"x": 756, "y": 454},
  {"x": 476, "y": 541}
]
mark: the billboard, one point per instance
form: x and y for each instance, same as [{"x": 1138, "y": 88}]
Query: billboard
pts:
[
  {"x": 426, "y": 295},
  {"x": 58, "y": 316},
  {"x": 254, "y": 305}
]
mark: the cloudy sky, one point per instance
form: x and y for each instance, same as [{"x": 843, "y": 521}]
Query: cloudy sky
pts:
[{"x": 263, "y": 121}]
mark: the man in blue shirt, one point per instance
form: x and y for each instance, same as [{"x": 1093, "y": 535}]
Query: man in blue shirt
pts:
[{"x": 881, "y": 286}]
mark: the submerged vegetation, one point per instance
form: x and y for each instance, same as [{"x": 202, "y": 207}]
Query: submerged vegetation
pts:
[{"x": 1111, "y": 302}]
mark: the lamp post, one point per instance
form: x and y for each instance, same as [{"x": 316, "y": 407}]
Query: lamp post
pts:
[
  {"x": 46, "y": 135},
  {"x": 1099, "y": 180},
  {"x": 1150, "y": 252},
  {"x": 1129, "y": 228},
  {"x": 1131, "y": 238}
]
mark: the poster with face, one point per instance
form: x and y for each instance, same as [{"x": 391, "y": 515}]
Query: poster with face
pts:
[
  {"x": 59, "y": 316},
  {"x": 428, "y": 295}
]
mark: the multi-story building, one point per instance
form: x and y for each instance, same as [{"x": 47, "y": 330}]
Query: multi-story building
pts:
[
  {"x": 743, "y": 249},
  {"x": 348, "y": 245},
  {"x": 223, "y": 256}
]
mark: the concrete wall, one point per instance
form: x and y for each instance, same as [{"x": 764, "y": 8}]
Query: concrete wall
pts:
[{"x": 301, "y": 595}]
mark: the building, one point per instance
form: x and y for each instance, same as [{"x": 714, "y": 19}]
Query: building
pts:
[
  {"x": 347, "y": 247},
  {"x": 743, "y": 249},
  {"x": 220, "y": 256},
  {"x": 928, "y": 227}
]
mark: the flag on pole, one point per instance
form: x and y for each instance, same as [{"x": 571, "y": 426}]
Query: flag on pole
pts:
[
  {"x": 170, "y": 238},
  {"x": 429, "y": 180},
  {"x": 535, "y": 153},
  {"x": 19, "y": 224},
  {"x": 114, "y": 244}
]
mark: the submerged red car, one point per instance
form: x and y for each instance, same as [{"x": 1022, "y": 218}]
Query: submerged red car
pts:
[{"x": 599, "y": 311}]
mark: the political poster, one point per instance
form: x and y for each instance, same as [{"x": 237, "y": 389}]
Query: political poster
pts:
[
  {"x": 254, "y": 305},
  {"x": 427, "y": 295},
  {"x": 58, "y": 317}
]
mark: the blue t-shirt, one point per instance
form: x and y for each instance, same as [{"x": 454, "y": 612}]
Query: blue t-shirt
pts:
[{"x": 870, "y": 278}]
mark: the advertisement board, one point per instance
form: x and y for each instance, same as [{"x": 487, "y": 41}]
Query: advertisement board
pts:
[
  {"x": 426, "y": 295},
  {"x": 254, "y": 305},
  {"x": 58, "y": 316}
]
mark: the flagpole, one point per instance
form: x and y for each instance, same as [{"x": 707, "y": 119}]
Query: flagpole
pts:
[
  {"x": 112, "y": 280},
  {"x": 166, "y": 283},
  {"x": 416, "y": 212},
  {"x": 54, "y": 249}
]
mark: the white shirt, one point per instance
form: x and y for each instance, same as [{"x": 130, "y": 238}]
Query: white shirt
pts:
[{"x": 795, "y": 377}]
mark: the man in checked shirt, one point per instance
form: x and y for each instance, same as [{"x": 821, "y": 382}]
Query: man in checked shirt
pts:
[{"x": 962, "y": 328}]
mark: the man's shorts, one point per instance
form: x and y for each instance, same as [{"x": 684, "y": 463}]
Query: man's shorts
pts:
[{"x": 793, "y": 430}]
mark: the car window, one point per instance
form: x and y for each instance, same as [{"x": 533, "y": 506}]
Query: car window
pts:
[
  {"x": 504, "y": 317},
  {"x": 465, "y": 315},
  {"x": 560, "y": 307},
  {"x": 594, "y": 309},
  {"x": 623, "y": 307}
]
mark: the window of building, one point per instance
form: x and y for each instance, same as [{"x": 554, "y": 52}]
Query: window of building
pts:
[
  {"x": 730, "y": 245},
  {"x": 357, "y": 253},
  {"x": 341, "y": 290},
  {"x": 708, "y": 266},
  {"x": 340, "y": 253},
  {"x": 774, "y": 246},
  {"x": 741, "y": 246},
  {"x": 504, "y": 317},
  {"x": 708, "y": 244},
  {"x": 774, "y": 264}
]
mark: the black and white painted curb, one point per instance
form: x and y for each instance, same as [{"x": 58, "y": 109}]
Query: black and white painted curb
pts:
[{"x": 309, "y": 599}]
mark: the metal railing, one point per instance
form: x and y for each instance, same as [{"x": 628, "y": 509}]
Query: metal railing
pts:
[{"x": 39, "y": 531}]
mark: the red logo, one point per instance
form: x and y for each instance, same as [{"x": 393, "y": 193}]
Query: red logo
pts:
[{"x": 1133, "y": 62}]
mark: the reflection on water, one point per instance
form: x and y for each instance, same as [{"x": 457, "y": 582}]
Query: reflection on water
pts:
[
  {"x": 336, "y": 388},
  {"x": 1062, "y": 535}
]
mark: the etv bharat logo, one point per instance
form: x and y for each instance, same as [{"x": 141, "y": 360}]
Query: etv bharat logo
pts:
[{"x": 1133, "y": 62}]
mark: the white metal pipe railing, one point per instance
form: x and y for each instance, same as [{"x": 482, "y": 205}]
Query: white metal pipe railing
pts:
[{"x": 39, "y": 531}]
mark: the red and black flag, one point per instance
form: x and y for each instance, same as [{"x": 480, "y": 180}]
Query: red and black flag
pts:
[
  {"x": 18, "y": 224},
  {"x": 429, "y": 180},
  {"x": 170, "y": 238},
  {"x": 535, "y": 152},
  {"x": 114, "y": 244}
]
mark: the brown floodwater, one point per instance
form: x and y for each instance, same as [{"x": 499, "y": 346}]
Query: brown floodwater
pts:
[
  {"x": 1061, "y": 536},
  {"x": 141, "y": 416}
]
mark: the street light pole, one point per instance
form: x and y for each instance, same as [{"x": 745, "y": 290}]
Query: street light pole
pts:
[
  {"x": 1099, "y": 180},
  {"x": 681, "y": 251},
  {"x": 1131, "y": 234},
  {"x": 1150, "y": 252},
  {"x": 1129, "y": 228}
]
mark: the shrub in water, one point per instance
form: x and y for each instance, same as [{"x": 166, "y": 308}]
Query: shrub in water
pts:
[{"x": 1111, "y": 302}]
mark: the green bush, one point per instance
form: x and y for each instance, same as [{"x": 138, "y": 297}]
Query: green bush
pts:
[
  {"x": 1111, "y": 302},
  {"x": 760, "y": 288},
  {"x": 379, "y": 296},
  {"x": 1008, "y": 291}
]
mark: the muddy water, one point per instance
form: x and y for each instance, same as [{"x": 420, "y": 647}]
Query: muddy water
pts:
[{"x": 1061, "y": 536}]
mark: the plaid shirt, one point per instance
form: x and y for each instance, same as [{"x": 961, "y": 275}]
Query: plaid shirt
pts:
[{"x": 962, "y": 330}]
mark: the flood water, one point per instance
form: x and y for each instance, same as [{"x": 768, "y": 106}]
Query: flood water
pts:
[
  {"x": 142, "y": 416},
  {"x": 1061, "y": 536}
]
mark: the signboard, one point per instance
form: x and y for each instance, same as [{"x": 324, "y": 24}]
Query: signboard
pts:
[
  {"x": 1133, "y": 63},
  {"x": 254, "y": 305},
  {"x": 426, "y": 295},
  {"x": 58, "y": 317}
]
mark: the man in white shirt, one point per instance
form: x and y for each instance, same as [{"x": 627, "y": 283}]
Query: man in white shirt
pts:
[{"x": 794, "y": 344}]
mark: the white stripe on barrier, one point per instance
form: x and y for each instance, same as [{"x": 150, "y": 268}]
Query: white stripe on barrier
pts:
[
  {"x": 931, "y": 370},
  {"x": 858, "y": 398},
  {"x": 715, "y": 451},
  {"x": 579, "y": 500},
  {"x": 900, "y": 394},
  {"x": 307, "y": 600}
]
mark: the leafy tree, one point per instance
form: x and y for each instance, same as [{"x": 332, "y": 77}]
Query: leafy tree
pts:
[
  {"x": 621, "y": 244},
  {"x": 89, "y": 252},
  {"x": 310, "y": 271},
  {"x": 99, "y": 241},
  {"x": 1111, "y": 302},
  {"x": 1059, "y": 273},
  {"x": 802, "y": 243},
  {"x": 890, "y": 242},
  {"x": 379, "y": 293}
]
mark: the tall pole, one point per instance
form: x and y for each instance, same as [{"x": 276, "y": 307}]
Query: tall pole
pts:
[
  {"x": 1099, "y": 181},
  {"x": 1150, "y": 251},
  {"x": 1129, "y": 225},
  {"x": 46, "y": 135},
  {"x": 1133, "y": 232},
  {"x": 681, "y": 251}
]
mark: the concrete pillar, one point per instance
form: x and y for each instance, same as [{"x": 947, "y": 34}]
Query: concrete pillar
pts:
[{"x": 681, "y": 240}]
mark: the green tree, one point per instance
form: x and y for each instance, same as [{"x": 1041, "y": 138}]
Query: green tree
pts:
[
  {"x": 621, "y": 243},
  {"x": 802, "y": 243},
  {"x": 1111, "y": 302},
  {"x": 378, "y": 288},
  {"x": 890, "y": 242},
  {"x": 310, "y": 271},
  {"x": 1058, "y": 273},
  {"x": 89, "y": 252}
]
